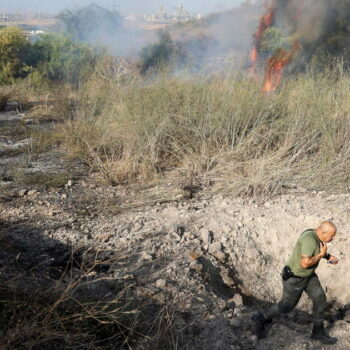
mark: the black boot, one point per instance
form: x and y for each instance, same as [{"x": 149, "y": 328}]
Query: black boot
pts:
[
  {"x": 319, "y": 333},
  {"x": 259, "y": 322}
]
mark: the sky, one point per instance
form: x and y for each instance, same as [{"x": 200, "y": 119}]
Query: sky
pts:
[{"x": 126, "y": 7}]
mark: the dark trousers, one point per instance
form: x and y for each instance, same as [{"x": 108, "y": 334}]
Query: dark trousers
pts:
[{"x": 293, "y": 288}]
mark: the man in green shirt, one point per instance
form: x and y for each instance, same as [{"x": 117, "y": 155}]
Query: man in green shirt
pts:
[{"x": 299, "y": 276}]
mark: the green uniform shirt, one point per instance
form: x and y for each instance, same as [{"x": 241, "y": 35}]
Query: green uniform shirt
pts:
[{"x": 307, "y": 244}]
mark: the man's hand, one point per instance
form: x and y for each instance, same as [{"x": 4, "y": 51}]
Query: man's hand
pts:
[
  {"x": 333, "y": 260},
  {"x": 323, "y": 249}
]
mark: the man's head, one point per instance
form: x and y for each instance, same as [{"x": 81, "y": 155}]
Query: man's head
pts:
[{"x": 326, "y": 231}]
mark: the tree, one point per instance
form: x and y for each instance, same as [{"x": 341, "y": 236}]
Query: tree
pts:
[
  {"x": 90, "y": 23},
  {"x": 13, "y": 47}
]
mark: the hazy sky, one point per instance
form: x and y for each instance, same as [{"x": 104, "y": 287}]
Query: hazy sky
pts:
[{"x": 125, "y": 6}]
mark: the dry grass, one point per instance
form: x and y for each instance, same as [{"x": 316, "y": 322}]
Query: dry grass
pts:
[
  {"x": 6, "y": 92},
  {"x": 227, "y": 130},
  {"x": 70, "y": 316}
]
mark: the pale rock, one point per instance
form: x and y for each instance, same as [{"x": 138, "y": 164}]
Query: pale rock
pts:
[
  {"x": 196, "y": 267},
  {"x": 161, "y": 283},
  {"x": 232, "y": 256},
  {"x": 267, "y": 205},
  {"x": 226, "y": 229},
  {"x": 188, "y": 236},
  {"x": 215, "y": 249},
  {"x": 238, "y": 300},
  {"x": 32, "y": 192},
  {"x": 174, "y": 236},
  {"x": 146, "y": 257},
  {"x": 227, "y": 279},
  {"x": 205, "y": 236},
  {"x": 22, "y": 193},
  {"x": 237, "y": 312}
]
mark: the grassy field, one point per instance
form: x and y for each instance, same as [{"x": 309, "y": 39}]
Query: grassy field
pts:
[
  {"x": 225, "y": 131},
  {"x": 248, "y": 142}
]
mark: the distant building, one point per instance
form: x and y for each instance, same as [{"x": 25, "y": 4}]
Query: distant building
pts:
[{"x": 180, "y": 15}]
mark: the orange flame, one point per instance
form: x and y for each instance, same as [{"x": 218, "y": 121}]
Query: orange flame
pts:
[
  {"x": 275, "y": 64},
  {"x": 266, "y": 22},
  {"x": 254, "y": 54},
  {"x": 275, "y": 67}
]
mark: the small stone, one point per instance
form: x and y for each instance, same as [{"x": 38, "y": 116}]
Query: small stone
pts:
[
  {"x": 235, "y": 322},
  {"x": 22, "y": 193},
  {"x": 188, "y": 236},
  {"x": 70, "y": 183},
  {"x": 205, "y": 236},
  {"x": 194, "y": 255},
  {"x": 196, "y": 267},
  {"x": 215, "y": 250},
  {"x": 238, "y": 300},
  {"x": 32, "y": 192},
  {"x": 227, "y": 279},
  {"x": 174, "y": 236},
  {"x": 161, "y": 283},
  {"x": 215, "y": 247},
  {"x": 237, "y": 312},
  {"x": 145, "y": 256},
  {"x": 64, "y": 196}
]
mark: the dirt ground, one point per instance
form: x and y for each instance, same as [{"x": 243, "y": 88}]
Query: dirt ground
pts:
[{"x": 215, "y": 260}]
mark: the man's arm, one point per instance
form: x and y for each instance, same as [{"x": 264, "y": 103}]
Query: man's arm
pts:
[{"x": 308, "y": 261}]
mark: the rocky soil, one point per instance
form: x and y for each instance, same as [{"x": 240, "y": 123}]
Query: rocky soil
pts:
[{"x": 215, "y": 259}]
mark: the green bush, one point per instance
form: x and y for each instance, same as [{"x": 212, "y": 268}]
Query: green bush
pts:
[
  {"x": 58, "y": 58},
  {"x": 13, "y": 48},
  {"x": 55, "y": 57}
]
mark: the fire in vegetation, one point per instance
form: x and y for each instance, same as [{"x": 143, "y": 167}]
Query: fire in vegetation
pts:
[
  {"x": 283, "y": 15},
  {"x": 275, "y": 66},
  {"x": 266, "y": 22}
]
